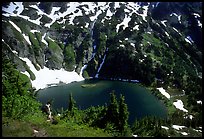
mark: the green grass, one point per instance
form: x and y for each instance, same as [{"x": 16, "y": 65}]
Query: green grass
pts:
[
  {"x": 70, "y": 129},
  {"x": 24, "y": 128},
  {"x": 53, "y": 46},
  {"x": 33, "y": 40},
  {"x": 15, "y": 128}
]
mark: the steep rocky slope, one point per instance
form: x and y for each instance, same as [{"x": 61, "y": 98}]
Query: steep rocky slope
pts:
[{"x": 148, "y": 42}]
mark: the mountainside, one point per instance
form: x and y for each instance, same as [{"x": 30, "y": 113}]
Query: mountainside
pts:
[
  {"x": 135, "y": 41},
  {"x": 158, "y": 44}
]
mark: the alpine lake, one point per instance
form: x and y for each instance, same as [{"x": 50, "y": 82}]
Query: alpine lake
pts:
[{"x": 94, "y": 92}]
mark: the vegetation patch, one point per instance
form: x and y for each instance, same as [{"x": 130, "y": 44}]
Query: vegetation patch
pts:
[{"x": 88, "y": 85}]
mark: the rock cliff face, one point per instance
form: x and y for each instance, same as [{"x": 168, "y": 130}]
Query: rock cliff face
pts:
[{"x": 135, "y": 41}]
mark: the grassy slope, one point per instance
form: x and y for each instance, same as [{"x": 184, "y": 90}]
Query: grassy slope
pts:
[{"x": 25, "y": 127}]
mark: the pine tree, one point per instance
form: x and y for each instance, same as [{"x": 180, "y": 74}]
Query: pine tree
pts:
[
  {"x": 72, "y": 105},
  {"x": 123, "y": 115},
  {"x": 112, "y": 112}
]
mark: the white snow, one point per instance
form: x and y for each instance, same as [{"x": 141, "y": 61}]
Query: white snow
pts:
[
  {"x": 15, "y": 26},
  {"x": 43, "y": 39},
  {"x": 87, "y": 25},
  {"x": 164, "y": 127},
  {"x": 11, "y": 8},
  {"x": 26, "y": 38},
  {"x": 135, "y": 135},
  {"x": 190, "y": 116},
  {"x": 178, "y": 127},
  {"x": 15, "y": 52},
  {"x": 176, "y": 30},
  {"x": 190, "y": 39},
  {"x": 184, "y": 133},
  {"x": 46, "y": 76},
  {"x": 33, "y": 31},
  {"x": 132, "y": 44},
  {"x": 187, "y": 40},
  {"x": 122, "y": 45},
  {"x": 199, "y": 102},
  {"x": 92, "y": 18},
  {"x": 178, "y": 16},
  {"x": 82, "y": 69},
  {"x": 166, "y": 33},
  {"x": 197, "y": 130},
  {"x": 163, "y": 92},
  {"x": 50, "y": 39},
  {"x": 196, "y": 15},
  {"x": 125, "y": 23},
  {"x": 144, "y": 15},
  {"x": 179, "y": 105},
  {"x": 136, "y": 27},
  {"x": 199, "y": 24},
  {"x": 141, "y": 60},
  {"x": 109, "y": 12}
]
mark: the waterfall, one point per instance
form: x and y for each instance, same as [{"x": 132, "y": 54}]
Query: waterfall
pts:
[
  {"x": 96, "y": 76},
  {"x": 94, "y": 48}
]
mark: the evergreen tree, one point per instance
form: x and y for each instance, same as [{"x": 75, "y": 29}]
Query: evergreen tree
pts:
[
  {"x": 112, "y": 112},
  {"x": 72, "y": 105},
  {"x": 123, "y": 115}
]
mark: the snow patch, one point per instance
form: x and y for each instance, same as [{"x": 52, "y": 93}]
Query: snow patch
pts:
[
  {"x": 43, "y": 39},
  {"x": 144, "y": 15},
  {"x": 135, "y": 135},
  {"x": 33, "y": 31},
  {"x": 163, "y": 22},
  {"x": 164, "y": 127},
  {"x": 46, "y": 76},
  {"x": 178, "y": 127},
  {"x": 125, "y": 23},
  {"x": 167, "y": 34},
  {"x": 26, "y": 38},
  {"x": 187, "y": 40},
  {"x": 199, "y": 102},
  {"x": 179, "y": 105},
  {"x": 184, "y": 133},
  {"x": 163, "y": 92},
  {"x": 196, "y": 15},
  {"x": 190, "y": 116},
  {"x": 11, "y": 8},
  {"x": 15, "y": 26},
  {"x": 82, "y": 69},
  {"x": 132, "y": 44},
  {"x": 15, "y": 52},
  {"x": 197, "y": 130}
]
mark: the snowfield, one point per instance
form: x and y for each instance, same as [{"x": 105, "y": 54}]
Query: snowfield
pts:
[
  {"x": 164, "y": 127},
  {"x": 179, "y": 105},
  {"x": 163, "y": 92},
  {"x": 199, "y": 102},
  {"x": 45, "y": 76},
  {"x": 178, "y": 127}
]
